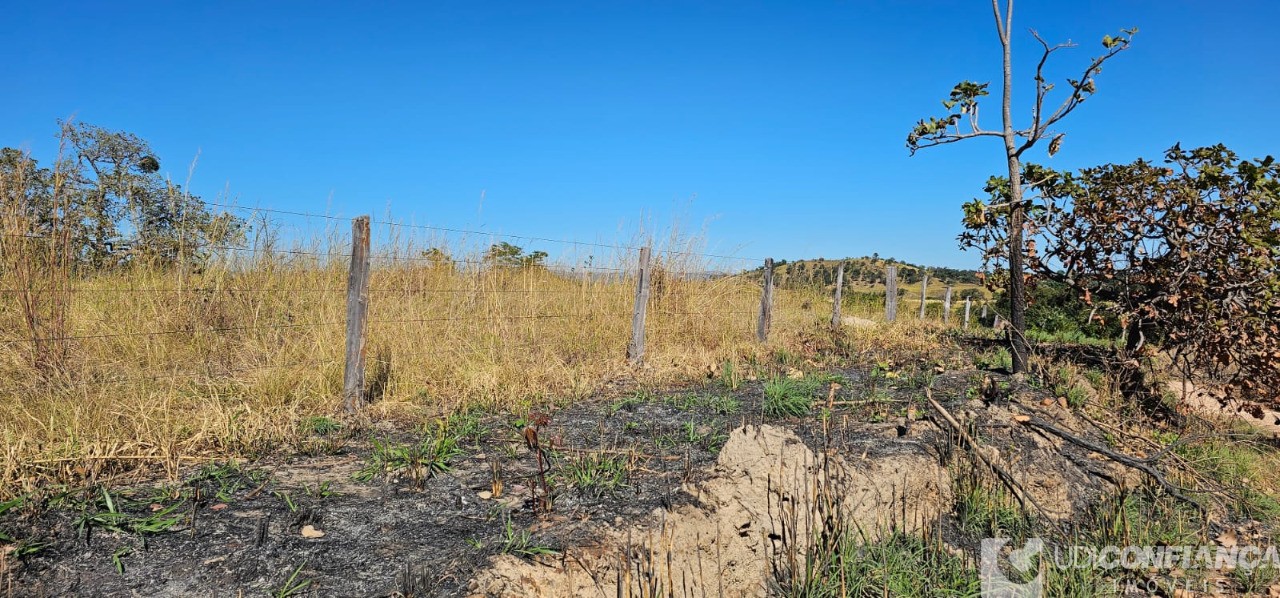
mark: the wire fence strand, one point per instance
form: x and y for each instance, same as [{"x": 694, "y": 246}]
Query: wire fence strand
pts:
[{"x": 463, "y": 231}]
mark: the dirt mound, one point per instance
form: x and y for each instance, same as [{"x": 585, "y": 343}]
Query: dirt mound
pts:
[{"x": 763, "y": 485}]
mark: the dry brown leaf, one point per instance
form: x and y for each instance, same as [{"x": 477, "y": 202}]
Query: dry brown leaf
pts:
[
  {"x": 1228, "y": 539},
  {"x": 310, "y": 532},
  {"x": 1022, "y": 419}
]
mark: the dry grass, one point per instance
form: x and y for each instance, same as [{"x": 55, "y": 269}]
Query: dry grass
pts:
[
  {"x": 143, "y": 367},
  {"x": 171, "y": 367}
]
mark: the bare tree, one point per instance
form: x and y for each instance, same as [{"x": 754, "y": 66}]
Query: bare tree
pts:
[{"x": 962, "y": 105}]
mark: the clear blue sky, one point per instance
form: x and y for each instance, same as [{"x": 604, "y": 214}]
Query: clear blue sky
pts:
[{"x": 780, "y": 126}]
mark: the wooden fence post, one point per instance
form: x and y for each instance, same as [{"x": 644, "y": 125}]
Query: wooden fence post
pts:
[
  {"x": 890, "y": 293},
  {"x": 967, "y": 304},
  {"x": 635, "y": 349},
  {"x": 766, "y": 303},
  {"x": 946, "y": 307},
  {"x": 835, "y": 308},
  {"x": 924, "y": 288},
  {"x": 357, "y": 315}
]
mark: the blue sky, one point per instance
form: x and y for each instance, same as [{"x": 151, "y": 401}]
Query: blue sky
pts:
[{"x": 777, "y": 126}]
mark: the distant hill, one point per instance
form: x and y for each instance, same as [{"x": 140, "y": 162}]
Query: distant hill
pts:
[{"x": 865, "y": 272}]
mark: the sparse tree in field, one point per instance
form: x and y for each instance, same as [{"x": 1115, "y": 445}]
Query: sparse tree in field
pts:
[
  {"x": 513, "y": 256},
  {"x": 104, "y": 193},
  {"x": 437, "y": 257},
  {"x": 961, "y": 122},
  {"x": 1184, "y": 253},
  {"x": 127, "y": 200},
  {"x": 26, "y": 191}
]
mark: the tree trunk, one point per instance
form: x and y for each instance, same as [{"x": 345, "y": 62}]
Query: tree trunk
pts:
[
  {"x": 1017, "y": 288},
  {"x": 1019, "y": 348},
  {"x": 1132, "y": 377}
]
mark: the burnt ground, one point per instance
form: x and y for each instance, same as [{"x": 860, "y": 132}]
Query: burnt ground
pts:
[{"x": 238, "y": 529}]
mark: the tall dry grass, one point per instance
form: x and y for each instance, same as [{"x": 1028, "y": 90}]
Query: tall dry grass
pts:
[
  {"x": 104, "y": 372},
  {"x": 164, "y": 366}
]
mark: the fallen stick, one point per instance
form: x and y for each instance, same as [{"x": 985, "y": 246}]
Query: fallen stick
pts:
[
  {"x": 1143, "y": 465},
  {"x": 259, "y": 489},
  {"x": 1005, "y": 477}
]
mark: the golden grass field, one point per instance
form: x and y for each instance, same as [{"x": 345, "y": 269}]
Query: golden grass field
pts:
[{"x": 165, "y": 368}]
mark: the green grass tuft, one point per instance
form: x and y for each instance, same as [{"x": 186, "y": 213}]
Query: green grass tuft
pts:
[
  {"x": 897, "y": 565},
  {"x": 595, "y": 474},
  {"x": 521, "y": 543},
  {"x": 789, "y": 397},
  {"x": 422, "y": 460}
]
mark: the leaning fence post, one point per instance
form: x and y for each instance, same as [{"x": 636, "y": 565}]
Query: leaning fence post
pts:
[
  {"x": 890, "y": 293},
  {"x": 946, "y": 307},
  {"x": 924, "y": 288},
  {"x": 967, "y": 304},
  {"x": 635, "y": 349},
  {"x": 766, "y": 303},
  {"x": 357, "y": 315},
  {"x": 835, "y": 308}
]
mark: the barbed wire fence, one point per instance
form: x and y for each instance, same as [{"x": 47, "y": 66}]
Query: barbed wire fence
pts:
[
  {"x": 648, "y": 270},
  {"x": 358, "y": 295}
]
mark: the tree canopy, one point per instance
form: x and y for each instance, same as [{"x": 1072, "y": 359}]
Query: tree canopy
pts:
[
  {"x": 106, "y": 199},
  {"x": 1186, "y": 252},
  {"x": 513, "y": 256}
]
